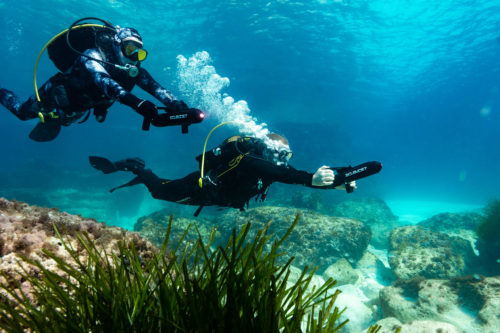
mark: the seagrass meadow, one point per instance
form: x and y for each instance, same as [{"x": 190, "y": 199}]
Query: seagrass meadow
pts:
[{"x": 195, "y": 288}]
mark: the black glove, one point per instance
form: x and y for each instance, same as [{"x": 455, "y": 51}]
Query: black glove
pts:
[{"x": 147, "y": 109}]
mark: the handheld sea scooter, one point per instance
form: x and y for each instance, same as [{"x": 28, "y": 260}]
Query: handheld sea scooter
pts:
[{"x": 345, "y": 175}]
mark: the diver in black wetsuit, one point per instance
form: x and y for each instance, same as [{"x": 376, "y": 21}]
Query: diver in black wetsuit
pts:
[
  {"x": 237, "y": 170},
  {"x": 98, "y": 77}
]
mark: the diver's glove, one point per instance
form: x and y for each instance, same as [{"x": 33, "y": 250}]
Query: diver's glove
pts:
[
  {"x": 147, "y": 109},
  {"x": 323, "y": 177},
  {"x": 143, "y": 107}
]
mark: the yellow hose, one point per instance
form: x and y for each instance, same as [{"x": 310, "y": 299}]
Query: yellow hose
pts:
[
  {"x": 50, "y": 42},
  {"x": 202, "y": 169}
]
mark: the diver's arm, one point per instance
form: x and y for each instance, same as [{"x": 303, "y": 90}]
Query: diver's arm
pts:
[
  {"x": 278, "y": 173},
  {"x": 148, "y": 84},
  {"x": 289, "y": 175},
  {"x": 112, "y": 89},
  {"x": 101, "y": 77}
]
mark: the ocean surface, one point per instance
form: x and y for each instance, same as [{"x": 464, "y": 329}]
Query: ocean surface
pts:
[{"x": 412, "y": 84}]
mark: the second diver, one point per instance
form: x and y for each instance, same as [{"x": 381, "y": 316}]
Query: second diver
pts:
[
  {"x": 237, "y": 170},
  {"x": 98, "y": 76}
]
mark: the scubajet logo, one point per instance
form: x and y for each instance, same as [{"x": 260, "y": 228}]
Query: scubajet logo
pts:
[
  {"x": 353, "y": 172},
  {"x": 179, "y": 116}
]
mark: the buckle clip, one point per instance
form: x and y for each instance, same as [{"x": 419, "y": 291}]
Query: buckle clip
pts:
[{"x": 42, "y": 116}]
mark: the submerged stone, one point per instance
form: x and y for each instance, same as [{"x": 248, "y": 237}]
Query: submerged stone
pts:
[
  {"x": 341, "y": 271},
  {"x": 374, "y": 213},
  {"x": 318, "y": 240},
  {"x": 28, "y": 230},
  {"x": 417, "y": 252},
  {"x": 465, "y": 302}
]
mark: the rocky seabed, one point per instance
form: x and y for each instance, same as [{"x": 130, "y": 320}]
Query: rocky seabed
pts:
[{"x": 420, "y": 278}]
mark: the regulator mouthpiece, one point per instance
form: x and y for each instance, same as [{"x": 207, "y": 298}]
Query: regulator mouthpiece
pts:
[{"x": 132, "y": 70}]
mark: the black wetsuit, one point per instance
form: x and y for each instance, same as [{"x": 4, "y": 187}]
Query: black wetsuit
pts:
[
  {"x": 252, "y": 176},
  {"x": 88, "y": 84}
]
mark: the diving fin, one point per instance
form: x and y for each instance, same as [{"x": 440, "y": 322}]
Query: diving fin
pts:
[
  {"x": 133, "y": 182},
  {"x": 47, "y": 130},
  {"x": 102, "y": 164},
  {"x": 106, "y": 166}
]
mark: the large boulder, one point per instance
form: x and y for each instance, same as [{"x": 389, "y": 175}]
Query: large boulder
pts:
[
  {"x": 463, "y": 225},
  {"x": 445, "y": 222},
  {"x": 154, "y": 227},
  {"x": 420, "y": 252},
  {"x": 28, "y": 230},
  {"x": 317, "y": 240},
  {"x": 374, "y": 213},
  {"x": 359, "y": 314},
  {"x": 471, "y": 303},
  {"x": 341, "y": 271},
  {"x": 375, "y": 267}
]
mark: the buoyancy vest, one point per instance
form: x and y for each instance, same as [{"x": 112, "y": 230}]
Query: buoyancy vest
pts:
[
  {"x": 222, "y": 163},
  {"x": 79, "y": 86}
]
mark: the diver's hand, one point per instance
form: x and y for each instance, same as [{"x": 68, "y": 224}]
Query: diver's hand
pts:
[
  {"x": 147, "y": 109},
  {"x": 353, "y": 185},
  {"x": 323, "y": 177}
]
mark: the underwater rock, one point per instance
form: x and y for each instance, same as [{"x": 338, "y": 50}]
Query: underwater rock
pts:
[
  {"x": 470, "y": 303},
  {"x": 87, "y": 202},
  {"x": 318, "y": 240},
  {"x": 488, "y": 243},
  {"x": 359, "y": 314},
  {"x": 373, "y": 276},
  {"x": 374, "y": 264},
  {"x": 27, "y": 230},
  {"x": 154, "y": 227},
  {"x": 374, "y": 213},
  {"x": 419, "y": 252},
  {"x": 451, "y": 221},
  {"x": 309, "y": 199},
  {"x": 341, "y": 271},
  {"x": 463, "y": 225}
]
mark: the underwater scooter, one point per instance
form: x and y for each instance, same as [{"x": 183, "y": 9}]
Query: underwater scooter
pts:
[
  {"x": 345, "y": 175},
  {"x": 182, "y": 116}
]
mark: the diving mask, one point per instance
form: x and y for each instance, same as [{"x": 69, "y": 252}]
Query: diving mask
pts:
[
  {"x": 133, "y": 51},
  {"x": 284, "y": 155},
  {"x": 278, "y": 156}
]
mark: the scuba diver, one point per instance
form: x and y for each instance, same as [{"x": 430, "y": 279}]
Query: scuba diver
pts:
[
  {"x": 237, "y": 170},
  {"x": 99, "y": 64}
]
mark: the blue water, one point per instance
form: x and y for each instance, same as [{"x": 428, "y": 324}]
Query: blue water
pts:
[{"x": 413, "y": 84}]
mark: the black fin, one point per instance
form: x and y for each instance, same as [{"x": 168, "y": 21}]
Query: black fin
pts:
[
  {"x": 130, "y": 164},
  {"x": 133, "y": 182},
  {"x": 102, "y": 164},
  {"x": 46, "y": 131},
  {"x": 197, "y": 212}
]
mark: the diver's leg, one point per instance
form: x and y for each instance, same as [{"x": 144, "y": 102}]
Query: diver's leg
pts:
[
  {"x": 183, "y": 190},
  {"x": 52, "y": 95},
  {"x": 24, "y": 111},
  {"x": 49, "y": 94}
]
